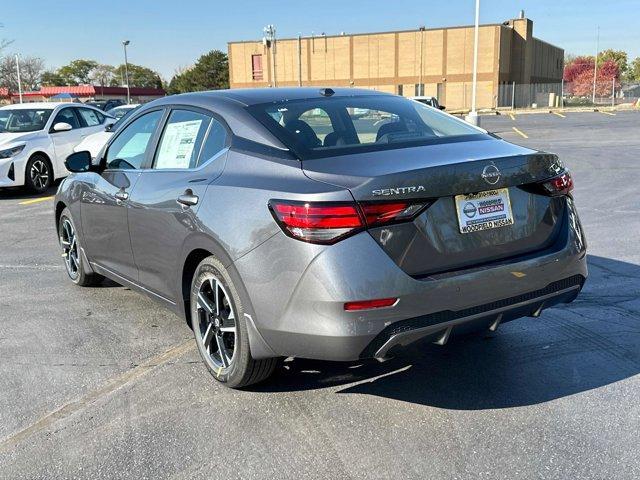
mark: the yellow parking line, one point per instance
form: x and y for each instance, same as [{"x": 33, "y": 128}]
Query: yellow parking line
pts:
[
  {"x": 609, "y": 113},
  {"x": 512, "y": 116},
  {"x": 559, "y": 114},
  {"x": 519, "y": 132},
  {"x": 36, "y": 200}
]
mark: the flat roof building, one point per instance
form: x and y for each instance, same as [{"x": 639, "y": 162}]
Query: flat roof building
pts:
[
  {"x": 84, "y": 93},
  {"x": 429, "y": 61}
]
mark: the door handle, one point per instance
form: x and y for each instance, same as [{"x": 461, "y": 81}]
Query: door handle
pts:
[
  {"x": 121, "y": 195},
  {"x": 188, "y": 199}
]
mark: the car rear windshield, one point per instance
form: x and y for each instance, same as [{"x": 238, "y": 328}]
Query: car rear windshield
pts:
[
  {"x": 22, "y": 120},
  {"x": 329, "y": 126}
]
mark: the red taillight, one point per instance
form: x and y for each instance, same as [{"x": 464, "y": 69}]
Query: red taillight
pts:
[
  {"x": 308, "y": 215},
  {"x": 328, "y": 222},
  {"x": 378, "y": 214},
  {"x": 317, "y": 222},
  {"x": 370, "y": 304},
  {"x": 560, "y": 185}
]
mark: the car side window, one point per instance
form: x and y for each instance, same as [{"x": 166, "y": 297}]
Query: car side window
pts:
[
  {"x": 181, "y": 140},
  {"x": 128, "y": 150},
  {"x": 90, "y": 117},
  {"x": 215, "y": 142},
  {"x": 67, "y": 115}
]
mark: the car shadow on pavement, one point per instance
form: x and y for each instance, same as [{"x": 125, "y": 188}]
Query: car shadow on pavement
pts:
[
  {"x": 108, "y": 283},
  {"x": 594, "y": 341},
  {"x": 21, "y": 193}
]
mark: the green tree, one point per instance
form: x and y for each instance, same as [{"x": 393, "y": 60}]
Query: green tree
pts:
[
  {"x": 619, "y": 57},
  {"x": 139, "y": 76},
  {"x": 182, "y": 82},
  {"x": 103, "y": 75},
  {"x": 633, "y": 72},
  {"x": 51, "y": 78},
  {"x": 77, "y": 72},
  {"x": 211, "y": 72}
]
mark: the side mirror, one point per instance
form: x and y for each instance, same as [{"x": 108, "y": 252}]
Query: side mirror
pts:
[
  {"x": 62, "y": 127},
  {"x": 441, "y": 107},
  {"x": 78, "y": 162}
]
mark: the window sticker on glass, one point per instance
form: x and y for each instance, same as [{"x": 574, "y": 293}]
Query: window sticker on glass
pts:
[{"x": 177, "y": 144}]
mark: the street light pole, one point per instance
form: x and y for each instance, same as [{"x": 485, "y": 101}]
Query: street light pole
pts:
[
  {"x": 420, "y": 84},
  {"x": 300, "y": 59},
  {"x": 595, "y": 66},
  {"x": 126, "y": 69},
  {"x": 473, "y": 115},
  {"x": 270, "y": 35},
  {"x": 19, "y": 82}
]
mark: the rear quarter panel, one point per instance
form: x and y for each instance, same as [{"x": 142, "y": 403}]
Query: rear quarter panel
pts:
[{"x": 234, "y": 217}]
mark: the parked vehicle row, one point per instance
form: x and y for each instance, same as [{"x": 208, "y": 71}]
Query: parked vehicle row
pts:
[
  {"x": 93, "y": 143},
  {"x": 36, "y": 138},
  {"x": 431, "y": 101},
  {"x": 317, "y": 223},
  {"x": 106, "y": 105},
  {"x": 121, "y": 110}
]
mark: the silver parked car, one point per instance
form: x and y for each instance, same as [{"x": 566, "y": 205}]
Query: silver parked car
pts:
[{"x": 280, "y": 222}]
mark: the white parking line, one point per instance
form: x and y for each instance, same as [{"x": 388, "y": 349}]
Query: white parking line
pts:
[{"x": 520, "y": 132}]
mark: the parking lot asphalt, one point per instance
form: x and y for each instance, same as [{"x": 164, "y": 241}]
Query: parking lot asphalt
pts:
[{"x": 103, "y": 383}]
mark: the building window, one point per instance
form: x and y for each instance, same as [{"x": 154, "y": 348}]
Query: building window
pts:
[
  {"x": 400, "y": 90},
  {"x": 256, "y": 66},
  {"x": 419, "y": 89}
]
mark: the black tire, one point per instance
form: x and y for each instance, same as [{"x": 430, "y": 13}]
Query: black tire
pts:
[
  {"x": 242, "y": 370},
  {"x": 38, "y": 175},
  {"x": 73, "y": 259}
]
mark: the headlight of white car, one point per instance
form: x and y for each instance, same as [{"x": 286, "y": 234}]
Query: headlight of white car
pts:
[{"x": 11, "y": 152}]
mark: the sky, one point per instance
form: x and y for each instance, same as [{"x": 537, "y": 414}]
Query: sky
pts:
[{"x": 167, "y": 35}]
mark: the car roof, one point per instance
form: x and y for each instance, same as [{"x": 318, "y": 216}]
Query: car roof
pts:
[
  {"x": 43, "y": 105},
  {"x": 230, "y": 104},
  {"x": 27, "y": 106},
  {"x": 253, "y": 96}
]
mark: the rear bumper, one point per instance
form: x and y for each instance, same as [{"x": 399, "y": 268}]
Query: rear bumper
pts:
[
  {"x": 297, "y": 293},
  {"x": 438, "y": 327}
]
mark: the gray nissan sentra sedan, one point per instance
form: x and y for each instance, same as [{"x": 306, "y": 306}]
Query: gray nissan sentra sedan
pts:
[{"x": 319, "y": 223}]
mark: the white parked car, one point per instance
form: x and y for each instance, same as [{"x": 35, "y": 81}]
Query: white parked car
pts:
[
  {"x": 119, "y": 111},
  {"x": 36, "y": 138},
  {"x": 94, "y": 142}
]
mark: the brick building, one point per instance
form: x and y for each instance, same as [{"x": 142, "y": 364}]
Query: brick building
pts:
[{"x": 432, "y": 61}]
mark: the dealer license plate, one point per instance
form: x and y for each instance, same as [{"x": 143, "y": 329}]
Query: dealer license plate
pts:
[{"x": 484, "y": 210}]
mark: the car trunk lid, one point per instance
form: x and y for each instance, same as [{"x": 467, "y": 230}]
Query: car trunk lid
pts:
[{"x": 433, "y": 242}]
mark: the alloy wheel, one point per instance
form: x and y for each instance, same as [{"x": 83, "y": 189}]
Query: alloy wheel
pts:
[
  {"x": 69, "y": 248},
  {"x": 217, "y": 322},
  {"x": 39, "y": 174}
]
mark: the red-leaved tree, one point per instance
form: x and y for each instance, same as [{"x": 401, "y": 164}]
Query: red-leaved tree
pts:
[
  {"x": 576, "y": 67},
  {"x": 579, "y": 77}
]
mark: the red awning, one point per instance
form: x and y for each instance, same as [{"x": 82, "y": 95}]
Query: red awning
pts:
[{"x": 93, "y": 90}]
